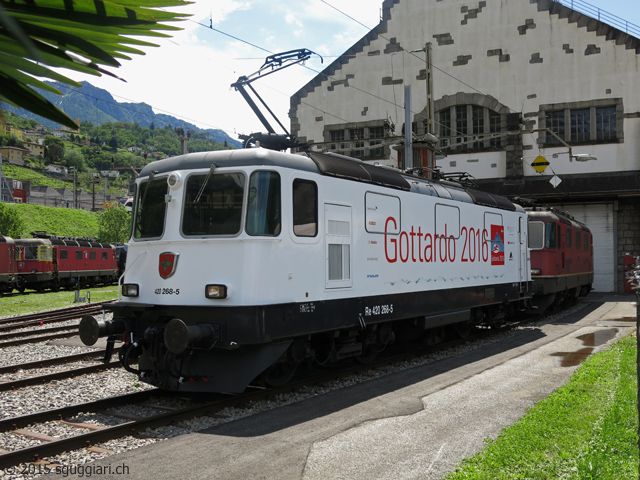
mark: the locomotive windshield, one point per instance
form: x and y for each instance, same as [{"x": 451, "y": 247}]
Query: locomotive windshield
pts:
[
  {"x": 213, "y": 204},
  {"x": 150, "y": 209}
]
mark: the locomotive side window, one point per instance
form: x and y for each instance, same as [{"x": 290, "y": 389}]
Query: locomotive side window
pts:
[
  {"x": 551, "y": 236},
  {"x": 536, "y": 235},
  {"x": 586, "y": 241},
  {"x": 263, "y": 204},
  {"x": 92, "y": 255},
  {"x": 78, "y": 254},
  {"x": 559, "y": 236},
  {"x": 105, "y": 256},
  {"x": 305, "y": 208},
  {"x": 150, "y": 209},
  {"x": 64, "y": 254},
  {"x": 30, "y": 253},
  {"x": 491, "y": 221},
  {"x": 213, "y": 204},
  {"x": 382, "y": 213},
  {"x": 447, "y": 221},
  {"x": 578, "y": 240},
  {"x": 569, "y": 237}
]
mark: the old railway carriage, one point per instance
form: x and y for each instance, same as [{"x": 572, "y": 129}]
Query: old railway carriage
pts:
[
  {"x": 8, "y": 264},
  {"x": 51, "y": 261},
  {"x": 561, "y": 256},
  {"x": 248, "y": 262}
]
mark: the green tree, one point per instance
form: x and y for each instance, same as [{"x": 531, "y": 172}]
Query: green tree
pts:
[
  {"x": 11, "y": 224},
  {"x": 53, "y": 149},
  {"x": 73, "y": 157},
  {"x": 114, "y": 224},
  {"x": 82, "y": 36}
]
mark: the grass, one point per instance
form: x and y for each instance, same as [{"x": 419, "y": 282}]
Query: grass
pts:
[
  {"x": 56, "y": 221},
  {"x": 586, "y": 429},
  {"x": 34, "y": 302}
]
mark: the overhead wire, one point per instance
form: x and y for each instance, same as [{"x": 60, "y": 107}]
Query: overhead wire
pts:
[
  {"x": 416, "y": 56},
  {"x": 234, "y": 37}
]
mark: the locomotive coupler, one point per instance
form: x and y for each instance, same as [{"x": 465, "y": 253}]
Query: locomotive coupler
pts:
[
  {"x": 90, "y": 329},
  {"x": 178, "y": 336}
]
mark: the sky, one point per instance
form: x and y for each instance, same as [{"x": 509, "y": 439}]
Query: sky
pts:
[{"x": 189, "y": 76}]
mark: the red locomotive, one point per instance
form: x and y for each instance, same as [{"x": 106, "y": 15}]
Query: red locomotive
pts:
[
  {"x": 8, "y": 264},
  {"x": 50, "y": 261},
  {"x": 561, "y": 256}
]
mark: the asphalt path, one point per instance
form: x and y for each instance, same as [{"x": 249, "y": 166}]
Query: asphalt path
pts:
[{"x": 416, "y": 424}]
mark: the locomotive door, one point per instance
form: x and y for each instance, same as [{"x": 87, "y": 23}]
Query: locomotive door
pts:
[
  {"x": 523, "y": 245},
  {"x": 338, "y": 246}
]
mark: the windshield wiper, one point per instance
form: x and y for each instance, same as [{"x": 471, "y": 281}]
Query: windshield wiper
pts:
[{"x": 206, "y": 181}]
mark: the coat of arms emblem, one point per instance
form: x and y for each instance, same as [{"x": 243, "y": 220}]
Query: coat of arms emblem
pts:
[{"x": 167, "y": 264}]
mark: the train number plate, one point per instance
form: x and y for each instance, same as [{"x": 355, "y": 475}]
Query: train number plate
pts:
[
  {"x": 378, "y": 310},
  {"x": 167, "y": 291}
]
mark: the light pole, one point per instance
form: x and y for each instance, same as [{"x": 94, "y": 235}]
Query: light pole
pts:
[
  {"x": 579, "y": 157},
  {"x": 428, "y": 72},
  {"x": 75, "y": 179}
]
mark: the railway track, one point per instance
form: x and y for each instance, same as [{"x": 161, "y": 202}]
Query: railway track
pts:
[
  {"x": 30, "y": 328},
  {"x": 50, "y": 316},
  {"x": 27, "y": 425},
  {"x": 88, "y": 434},
  {"x": 95, "y": 360}
]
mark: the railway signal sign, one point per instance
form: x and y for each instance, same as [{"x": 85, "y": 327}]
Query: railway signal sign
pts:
[{"x": 540, "y": 164}]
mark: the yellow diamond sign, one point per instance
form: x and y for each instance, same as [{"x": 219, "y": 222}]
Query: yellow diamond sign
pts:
[{"x": 540, "y": 164}]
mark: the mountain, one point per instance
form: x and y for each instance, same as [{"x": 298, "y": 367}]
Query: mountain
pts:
[{"x": 97, "y": 106}]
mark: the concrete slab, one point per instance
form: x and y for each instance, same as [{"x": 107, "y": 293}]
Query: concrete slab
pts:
[{"x": 418, "y": 423}]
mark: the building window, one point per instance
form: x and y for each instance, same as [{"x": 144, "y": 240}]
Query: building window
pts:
[
  {"x": 357, "y": 142},
  {"x": 583, "y": 122},
  {"x": 376, "y": 132},
  {"x": 606, "y": 123},
  {"x": 355, "y": 135},
  {"x": 468, "y": 128}
]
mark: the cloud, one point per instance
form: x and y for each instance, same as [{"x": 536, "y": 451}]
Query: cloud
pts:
[{"x": 190, "y": 74}]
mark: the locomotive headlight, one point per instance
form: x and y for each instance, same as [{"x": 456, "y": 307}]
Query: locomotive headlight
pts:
[
  {"x": 130, "y": 289},
  {"x": 535, "y": 271},
  {"x": 215, "y": 291},
  {"x": 174, "y": 180}
]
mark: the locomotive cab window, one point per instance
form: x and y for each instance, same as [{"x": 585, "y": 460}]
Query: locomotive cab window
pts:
[
  {"x": 213, "y": 204},
  {"x": 550, "y": 237},
  {"x": 105, "y": 256},
  {"x": 263, "y": 204},
  {"x": 150, "y": 209},
  {"x": 305, "y": 208},
  {"x": 536, "y": 235}
]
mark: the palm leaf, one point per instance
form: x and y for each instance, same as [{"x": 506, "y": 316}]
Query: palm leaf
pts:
[{"x": 80, "y": 35}]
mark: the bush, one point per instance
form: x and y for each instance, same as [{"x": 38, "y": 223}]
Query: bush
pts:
[{"x": 11, "y": 223}]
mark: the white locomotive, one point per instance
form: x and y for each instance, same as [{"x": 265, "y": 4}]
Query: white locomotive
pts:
[{"x": 245, "y": 263}]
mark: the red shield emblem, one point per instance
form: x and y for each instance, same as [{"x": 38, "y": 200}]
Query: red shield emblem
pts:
[{"x": 167, "y": 264}]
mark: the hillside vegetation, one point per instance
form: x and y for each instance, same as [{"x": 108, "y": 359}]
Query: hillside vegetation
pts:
[{"x": 56, "y": 221}]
